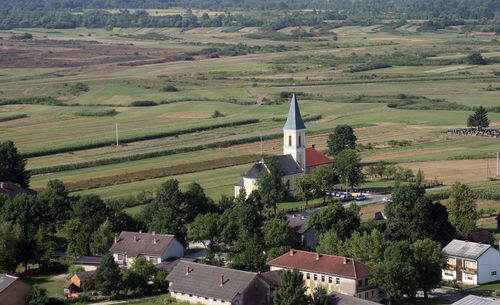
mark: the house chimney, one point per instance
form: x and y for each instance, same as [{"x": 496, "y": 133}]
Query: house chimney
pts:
[
  {"x": 313, "y": 146},
  {"x": 1, "y": 185},
  {"x": 303, "y": 217},
  {"x": 187, "y": 270},
  {"x": 291, "y": 252},
  {"x": 317, "y": 256},
  {"x": 221, "y": 280},
  {"x": 135, "y": 238},
  {"x": 345, "y": 260},
  {"x": 155, "y": 241},
  {"x": 116, "y": 238},
  {"x": 140, "y": 231},
  {"x": 154, "y": 233}
]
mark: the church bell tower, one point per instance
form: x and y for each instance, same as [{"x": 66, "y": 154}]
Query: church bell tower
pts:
[{"x": 294, "y": 134}]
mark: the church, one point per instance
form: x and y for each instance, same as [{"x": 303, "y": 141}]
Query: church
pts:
[{"x": 296, "y": 160}]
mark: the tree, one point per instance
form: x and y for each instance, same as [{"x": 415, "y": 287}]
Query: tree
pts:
[
  {"x": 37, "y": 296},
  {"x": 428, "y": 262},
  {"x": 11, "y": 237},
  {"x": 144, "y": 272},
  {"x": 55, "y": 201},
  {"x": 341, "y": 139},
  {"x": 380, "y": 168},
  {"x": 107, "y": 275},
  {"x": 420, "y": 177},
  {"x": 204, "y": 228},
  {"x": 195, "y": 202},
  {"x": 371, "y": 171},
  {"x": 323, "y": 180},
  {"x": 102, "y": 238},
  {"x": 45, "y": 246},
  {"x": 479, "y": 119},
  {"x": 291, "y": 289},
  {"x": 348, "y": 166},
  {"x": 462, "y": 208},
  {"x": 476, "y": 59},
  {"x": 337, "y": 218},
  {"x": 90, "y": 210},
  {"x": 411, "y": 216},
  {"x": 390, "y": 171},
  {"x": 79, "y": 236},
  {"x": 250, "y": 256},
  {"x": 395, "y": 273},
  {"x": 329, "y": 242},
  {"x": 271, "y": 188},
  {"x": 12, "y": 165},
  {"x": 305, "y": 184},
  {"x": 366, "y": 247},
  {"x": 320, "y": 296},
  {"x": 279, "y": 237}
]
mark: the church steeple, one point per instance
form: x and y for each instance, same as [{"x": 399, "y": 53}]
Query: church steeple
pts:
[
  {"x": 294, "y": 134},
  {"x": 294, "y": 120}
]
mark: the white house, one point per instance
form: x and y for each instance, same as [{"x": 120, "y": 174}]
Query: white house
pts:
[
  {"x": 155, "y": 247},
  {"x": 471, "y": 263}
]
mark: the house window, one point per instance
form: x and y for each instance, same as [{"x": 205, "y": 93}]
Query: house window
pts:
[
  {"x": 448, "y": 273},
  {"x": 121, "y": 257},
  {"x": 372, "y": 294},
  {"x": 470, "y": 264},
  {"x": 469, "y": 276},
  {"x": 366, "y": 295},
  {"x": 330, "y": 279},
  {"x": 289, "y": 140},
  {"x": 322, "y": 278},
  {"x": 308, "y": 276},
  {"x": 366, "y": 282},
  {"x": 315, "y": 277},
  {"x": 337, "y": 281},
  {"x": 360, "y": 283},
  {"x": 493, "y": 273}
]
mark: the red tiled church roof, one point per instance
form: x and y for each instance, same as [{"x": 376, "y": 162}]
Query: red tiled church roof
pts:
[
  {"x": 327, "y": 264},
  {"x": 315, "y": 158}
]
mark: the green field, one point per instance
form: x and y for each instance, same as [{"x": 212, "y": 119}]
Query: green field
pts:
[{"x": 120, "y": 67}]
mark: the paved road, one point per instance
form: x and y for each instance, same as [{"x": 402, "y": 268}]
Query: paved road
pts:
[{"x": 371, "y": 198}]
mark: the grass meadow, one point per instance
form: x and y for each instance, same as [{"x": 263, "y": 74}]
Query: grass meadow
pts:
[{"x": 121, "y": 67}]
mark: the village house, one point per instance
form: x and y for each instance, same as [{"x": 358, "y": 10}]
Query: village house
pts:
[
  {"x": 155, "y": 247},
  {"x": 12, "y": 190},
  {"x": 335, "y": 274},
  {"x": 79, "y": 282},
  {"x": 212, "y": 285},
  {"x": 471, "y": 263},
  {"x": 299, "y": 223},
  {"x": 296, "y": 160},
  {"x": 13, "y": 290}
]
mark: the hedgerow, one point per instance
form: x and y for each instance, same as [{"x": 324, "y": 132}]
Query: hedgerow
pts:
[{"x": 13, "y": 117}]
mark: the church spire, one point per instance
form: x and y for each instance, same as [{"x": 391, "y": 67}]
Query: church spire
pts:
[{"x": 294, "y": 120}]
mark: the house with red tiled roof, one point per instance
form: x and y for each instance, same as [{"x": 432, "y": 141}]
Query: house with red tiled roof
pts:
[
  {"x": 296, "y": 160},
  {"x": 155, "y": 247},
  {"x": 336, "y": 274}
]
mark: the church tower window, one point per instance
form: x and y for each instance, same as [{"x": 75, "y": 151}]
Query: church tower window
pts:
[{"x": 289, "y": 140}]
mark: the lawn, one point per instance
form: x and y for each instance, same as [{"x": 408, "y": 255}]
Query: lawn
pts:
[{"x": 52, "y": 279}]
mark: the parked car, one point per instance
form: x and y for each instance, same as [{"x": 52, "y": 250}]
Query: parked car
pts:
[
  {"x": 387, "y": 198},
  {"x": 361, "y": 197}
]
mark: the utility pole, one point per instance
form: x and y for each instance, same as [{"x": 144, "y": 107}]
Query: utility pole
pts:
[
  {"x": 497, "y": 162},
  {"x": 116, "y": 134},
  {"x": 261, "y": 151},
  {"x": 487, "y": 168}
]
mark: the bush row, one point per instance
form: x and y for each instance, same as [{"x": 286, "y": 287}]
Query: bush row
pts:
[
  {"x": 154, "y": 154},
  {"x": 103, "y": 143},
  {"x": 305, "y": 119},
  {"x": 95, "y": 112},
  {"x": 186, "y": 168},
  {"x": 13, "y": 117}
]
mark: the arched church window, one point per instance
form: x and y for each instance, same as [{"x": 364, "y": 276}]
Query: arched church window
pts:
[
  {"x": 300, "y": 142},
  {"x": 289, "y": 140}
]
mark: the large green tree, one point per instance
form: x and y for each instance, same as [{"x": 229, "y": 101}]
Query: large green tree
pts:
[
  {"x": 249, "y": 255},
  {"x": 279, "y": 237},
  {"x": 11, "y": 238},
  {"x": 107, "y": 275},
  {"x": 323, "y": 179},
  {"x": 335, "y": 217},
  {"x": 291, "y": 289},
  {"x": 462, "y": 208},
  {"x": 341, "y": 139},
  {"x": 90, "y": 210},
  {"x": 195, "y": 202},
  {"x": 271, "y": 188},
  {"x": 396, "y": 273},
  {"x": 479, "y": 119},
  {"x": 411, "y": 216},
  {"x": 305, "y": 186},
  {"x": 428, "y": 261},
  {"x": 204, "y": 228},
  {"x": 12, "y": 165},
  {"x": 55, "y": 201},
  {"x": 347, "y": 166}
]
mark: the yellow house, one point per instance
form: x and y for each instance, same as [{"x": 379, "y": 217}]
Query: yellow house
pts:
[
  {"x": 335, "y": 274},
  {"x": 296, "y": 159}
]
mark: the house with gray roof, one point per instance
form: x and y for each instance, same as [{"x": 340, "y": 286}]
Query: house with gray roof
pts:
[
  {"x": 476, "y": 300},
  {"x": 206, "y": 284},
  {"x": 300, "y": 224},
  {"x": 155, "y": 247},
  {"x": 296, "y": 159},
  {"x": 471, "y": 263},
  {"x": 13, "y": 290}
]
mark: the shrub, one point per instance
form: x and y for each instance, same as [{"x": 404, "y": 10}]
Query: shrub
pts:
[
  {"x": 95, "y": 112},
  {"x": 170, "y": 88},
  {"x": 23, "y": 36},
  {"x": 13, "y": 117},
  {"x": 217, "y": 114},
  {"x": 143, "y": 103},
  {"x": 78, "y": 88}
]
